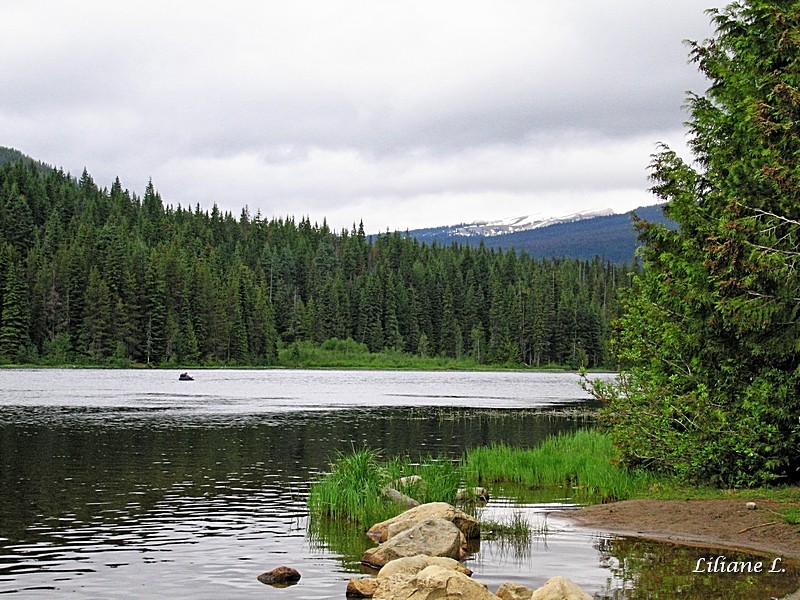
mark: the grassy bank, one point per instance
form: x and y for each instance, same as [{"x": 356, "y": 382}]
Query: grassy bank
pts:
[
  {"x": 331, "y": 354},
  {"x": 580, "y": 463},
  {"x": 349, "y": 354}
]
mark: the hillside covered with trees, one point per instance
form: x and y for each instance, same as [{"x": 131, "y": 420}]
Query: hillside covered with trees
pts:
[{"x": 103, "y": 276}]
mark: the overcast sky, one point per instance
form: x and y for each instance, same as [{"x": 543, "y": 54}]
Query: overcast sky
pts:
[{"x": 404, "y": 114}]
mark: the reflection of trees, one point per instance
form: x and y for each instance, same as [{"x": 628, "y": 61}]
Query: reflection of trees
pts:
[{"x": 643, "y": 569}]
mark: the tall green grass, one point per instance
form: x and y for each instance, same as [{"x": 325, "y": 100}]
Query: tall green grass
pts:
[
  {"x": 583, "y": 461},
  {"x": 352, "y": 489},
  {"x": 441, "y": 478}
]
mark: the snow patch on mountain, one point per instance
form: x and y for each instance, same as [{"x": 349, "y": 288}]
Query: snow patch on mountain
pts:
[{"x": 525, "y": 223}]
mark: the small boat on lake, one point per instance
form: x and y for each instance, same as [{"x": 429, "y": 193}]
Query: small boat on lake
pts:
[{"x": 185, "y": 377}]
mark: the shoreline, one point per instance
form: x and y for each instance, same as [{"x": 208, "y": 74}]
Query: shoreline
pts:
[{"x": 716, "y": 523}]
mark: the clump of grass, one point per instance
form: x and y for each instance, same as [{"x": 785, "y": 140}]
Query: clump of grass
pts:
[
  {"x": 352, "y": 490},
  {"x": 583, "y": 461},
  {"x": 512, "y": 535},
  {"x": 791, "y": 515},
  {"x": 516, "y": 528}
]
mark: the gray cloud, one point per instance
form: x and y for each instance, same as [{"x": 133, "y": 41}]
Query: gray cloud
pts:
[{"x": 405, "y": 115}]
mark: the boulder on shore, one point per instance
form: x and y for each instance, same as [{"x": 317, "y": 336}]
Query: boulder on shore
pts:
[
  {"x": 365, "y": 587},
  {"x": 433, "y": 582},
  {"x": 428, "y": 578},
  {"x": 414, "y": 564},
  {"x": 469, "y": 526},
  {"x": 434, "y": 537}
]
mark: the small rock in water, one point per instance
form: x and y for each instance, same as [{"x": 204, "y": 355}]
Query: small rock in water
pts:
[{"x": 280, "y": 577}]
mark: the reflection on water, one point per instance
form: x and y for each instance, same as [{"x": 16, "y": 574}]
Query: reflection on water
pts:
[
  {"x": 645, "y": 569},
  {"x": 132, "y": 484}
]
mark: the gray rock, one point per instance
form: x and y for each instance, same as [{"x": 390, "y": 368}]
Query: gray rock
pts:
[
  {"x": 432, "y": 583},
  {"x": 475, "y": 495},
  {"x": 433, "y": 537},
  {"x": 468, "y": 525},
  {"x": 414, "y": 564},
  {"x": 393, "y": 495}
]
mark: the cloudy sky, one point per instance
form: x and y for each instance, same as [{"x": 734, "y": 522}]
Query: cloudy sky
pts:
[{"x": 404, "y": 114}]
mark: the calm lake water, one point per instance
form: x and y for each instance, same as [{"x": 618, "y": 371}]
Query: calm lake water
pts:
[{"x": 131, "y": 484}]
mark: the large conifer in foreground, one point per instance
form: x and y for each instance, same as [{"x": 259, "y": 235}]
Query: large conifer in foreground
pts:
[{"x": 711, "y": 339}]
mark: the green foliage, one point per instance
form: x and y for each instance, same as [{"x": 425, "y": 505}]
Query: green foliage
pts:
[
  {"x": 711, "y": 391},
  {"x": 583, "y": 461},
  {"x": 353, "y": 489},
  {"x": 791, "y": 515}
]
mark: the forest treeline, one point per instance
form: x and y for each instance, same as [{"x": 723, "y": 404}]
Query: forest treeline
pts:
[{"x": 103, "y": 276}]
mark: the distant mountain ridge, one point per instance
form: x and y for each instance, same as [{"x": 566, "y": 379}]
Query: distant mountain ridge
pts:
[{"x": 610, "y": 237}]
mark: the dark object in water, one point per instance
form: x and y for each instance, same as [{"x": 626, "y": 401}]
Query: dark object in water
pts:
[
  {"x": 185, "y": 377},
  {"x": 280, "y": 577}
]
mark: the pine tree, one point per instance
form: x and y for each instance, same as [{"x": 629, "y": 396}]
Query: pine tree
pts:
[{"x": 264, "y": 335}]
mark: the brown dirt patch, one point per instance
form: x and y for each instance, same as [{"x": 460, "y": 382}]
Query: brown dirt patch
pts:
[{"x": 712, "y": 523}]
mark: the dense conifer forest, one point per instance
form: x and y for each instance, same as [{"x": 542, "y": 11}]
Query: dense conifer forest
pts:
[{"x": 102, "y": 276}]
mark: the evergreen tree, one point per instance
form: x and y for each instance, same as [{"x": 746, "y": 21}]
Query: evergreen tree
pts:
[
  {"x": 14, "y": 315},
  {"x": 96, "y": 330},
  {"x": 712, "y": 388},
  {"x": 155, "y": 313},
  {"x": 263, "y": 335}
]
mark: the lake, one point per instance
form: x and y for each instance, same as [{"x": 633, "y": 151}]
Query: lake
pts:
[{"x": 132, "y": 484}]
